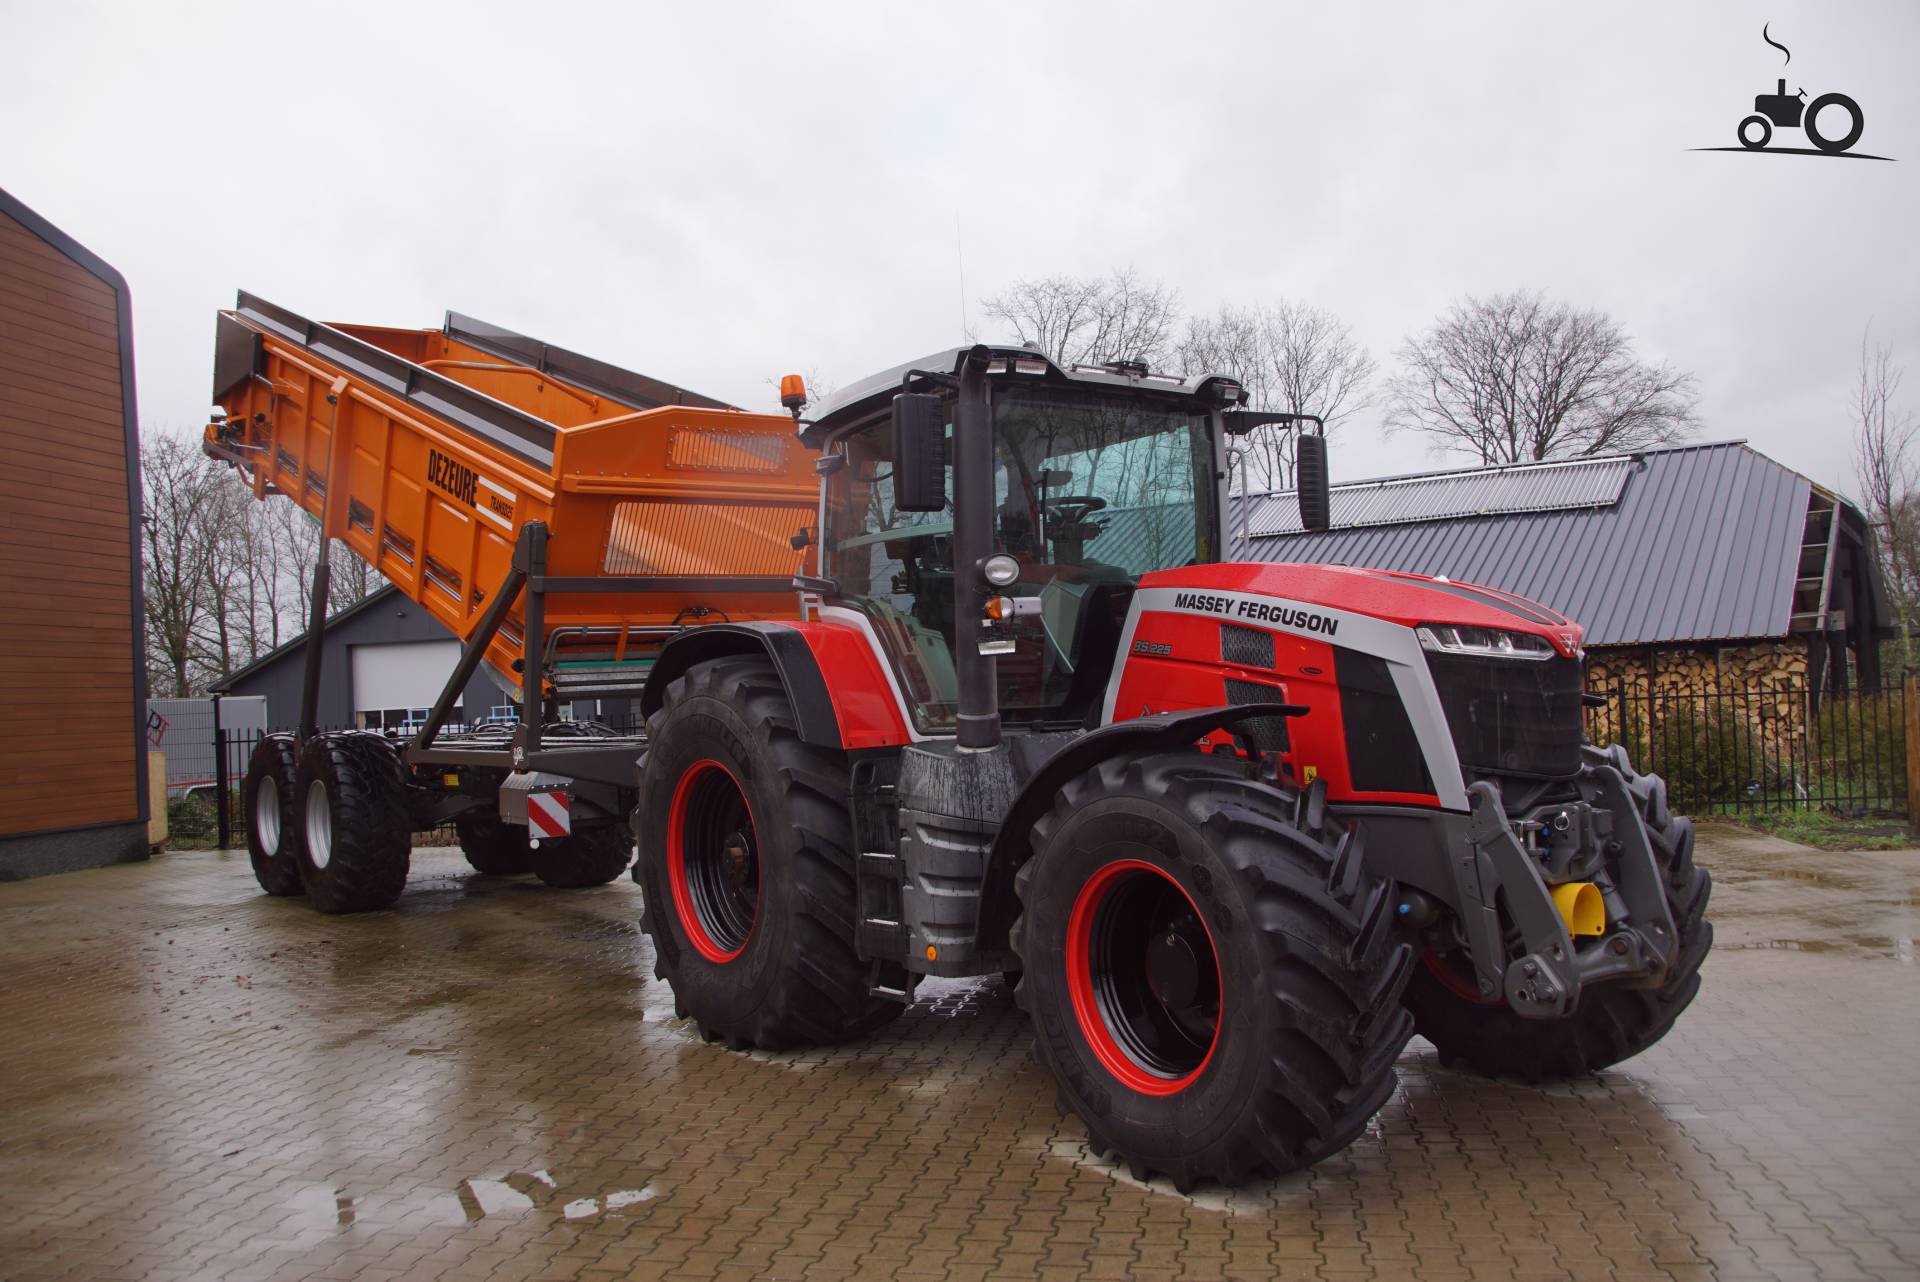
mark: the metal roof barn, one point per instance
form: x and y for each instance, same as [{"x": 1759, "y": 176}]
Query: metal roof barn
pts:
[{"x": 1698, "y": 543}]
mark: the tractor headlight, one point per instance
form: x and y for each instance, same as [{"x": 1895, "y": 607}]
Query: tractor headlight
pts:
[
  {"x": 1000, "y": 570},
  {"x": 1483, "y": 643}
]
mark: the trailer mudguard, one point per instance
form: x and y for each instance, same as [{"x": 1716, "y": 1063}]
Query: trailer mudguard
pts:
[{"x": 1143, "y": 736}]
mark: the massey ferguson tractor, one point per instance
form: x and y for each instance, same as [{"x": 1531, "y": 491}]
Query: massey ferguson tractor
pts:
[{"x": 987, "y": 702}]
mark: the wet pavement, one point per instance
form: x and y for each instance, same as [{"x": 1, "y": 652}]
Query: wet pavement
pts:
[{"x": 487, "y": 1082}]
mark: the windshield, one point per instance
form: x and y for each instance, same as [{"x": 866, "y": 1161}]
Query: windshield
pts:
[{"x": 1090, "y": 492}]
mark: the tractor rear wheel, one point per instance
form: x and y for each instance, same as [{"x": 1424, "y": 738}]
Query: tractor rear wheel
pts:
[
  {"x": 1840, "y": 142},
  {"x": 493, "y": 846},
  {"x": 747, "y": 862},
  {"x": 1612, "y": 1022},
  {"x": 273, "y": 826},
  {"x": 591, "y": 858},
  {"x": 1211, "y": 970},
  {"x": 356, "y": 833}
]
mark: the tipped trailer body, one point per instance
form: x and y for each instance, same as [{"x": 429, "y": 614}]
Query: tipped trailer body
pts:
[
  {"x": 563, "y": 517},
  {"x": 452, "y": 440}
]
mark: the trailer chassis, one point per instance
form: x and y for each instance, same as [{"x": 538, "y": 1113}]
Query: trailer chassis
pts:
[{"x": 453, "y": 774}]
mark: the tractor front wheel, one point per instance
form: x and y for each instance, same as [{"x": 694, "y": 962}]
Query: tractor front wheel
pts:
[
  {"x": 747, "y": 862},
  {"x": 1210, "y": 968}
]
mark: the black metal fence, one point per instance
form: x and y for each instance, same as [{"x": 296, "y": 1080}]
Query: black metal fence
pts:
[
  {"x": 229, "y": 810},
  {"x": 1773, "y": 746}
]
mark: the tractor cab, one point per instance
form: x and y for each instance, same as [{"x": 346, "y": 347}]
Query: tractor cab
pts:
[{"x": 1099, "y": 474}]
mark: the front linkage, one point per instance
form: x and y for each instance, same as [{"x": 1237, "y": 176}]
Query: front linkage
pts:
[{"x": 1600, "y": 838}]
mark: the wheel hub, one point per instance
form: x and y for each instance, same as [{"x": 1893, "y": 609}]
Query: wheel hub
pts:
[
  {"x": 266, "y": 816},
  {"x": 1173, "y": 969},
  {"x": 736, "y": 853},
  {"x": 319, "y": 825}
]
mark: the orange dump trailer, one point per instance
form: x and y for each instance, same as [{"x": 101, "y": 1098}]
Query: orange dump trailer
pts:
[
  {"x": 562, "y": 516},
  {"x": 427, "y": 451}
]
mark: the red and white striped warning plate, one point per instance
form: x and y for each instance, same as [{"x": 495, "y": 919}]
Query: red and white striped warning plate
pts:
[{"x": 548, "y": 814}]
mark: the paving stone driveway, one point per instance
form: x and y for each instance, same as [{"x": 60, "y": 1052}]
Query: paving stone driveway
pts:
[{"x": 198, "y": 1082}]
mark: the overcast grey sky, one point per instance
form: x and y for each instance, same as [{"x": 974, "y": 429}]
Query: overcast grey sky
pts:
[{"x": 719, "y": 194}]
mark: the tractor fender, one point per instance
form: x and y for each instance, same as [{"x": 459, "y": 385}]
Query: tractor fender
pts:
[
  {"x": 784, "y": 645},
  {"x": 835, "y": 681},
  {"x": 1142, "y": 736}
]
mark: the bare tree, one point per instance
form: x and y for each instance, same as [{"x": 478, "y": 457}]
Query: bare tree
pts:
[
  {"x": 181, "y": 534},
  {"x": 1886, "y": 465},
  {"x": 1232, "y": 341},
  {"x": 1317, "y": 366},
  {"x": 1515, "y": 377},
  {"x": 1089, "y": 319},
  {"x": 1293, "y": 357},
  {"x": 225, "y": 578}
]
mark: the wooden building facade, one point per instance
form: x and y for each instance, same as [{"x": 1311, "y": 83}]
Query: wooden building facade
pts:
[{"x": 73, "y": 777}]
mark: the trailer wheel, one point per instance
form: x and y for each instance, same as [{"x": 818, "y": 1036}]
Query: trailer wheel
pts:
[
  {"x": 747, "y": 861},
  {"x": 591, "y": 858},
  {"x": 356, "y": 833},
  {"x": 273, "y": 828},
  {"x": 1212, "y": 974},
  {"x": 1612, "y": 1022},
  {"x": 493, "y": 846}
]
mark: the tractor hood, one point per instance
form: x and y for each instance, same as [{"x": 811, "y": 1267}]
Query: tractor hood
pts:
[{"x": 1336, "y": 590}]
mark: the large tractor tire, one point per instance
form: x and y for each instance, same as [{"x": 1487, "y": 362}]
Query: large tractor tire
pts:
[
  {"x": 357, "y": 837},
  {"x": 493, "y": 846},
  {"x": 1211, "y": 970},
  {"x": 747, "y": 861},
  {"x": 1612, "y": 1022},
  {"x": 591, "y": 858},
  {"x": 273, "y": 824}
]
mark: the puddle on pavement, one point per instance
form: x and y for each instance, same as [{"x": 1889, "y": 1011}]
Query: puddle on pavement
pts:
[
  {"x": 1898, "y": 947},
  {"x": 587, "y": 1208},
  {"x": 1812, "y": 877},
  {"x": 319, "y": 1209}
]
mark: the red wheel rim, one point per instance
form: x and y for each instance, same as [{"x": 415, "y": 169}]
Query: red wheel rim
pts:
[
  {"x": 1144, "y": 977},
  {"x": 713, "y": 863}
]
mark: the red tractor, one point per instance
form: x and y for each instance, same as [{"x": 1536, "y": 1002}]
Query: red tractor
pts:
[{"x": 1234, "y": 831}]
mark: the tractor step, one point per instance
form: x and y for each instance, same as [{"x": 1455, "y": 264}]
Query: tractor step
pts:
[
  {"x": 892, "y": 981},
  {"x": 882, "y": 931}
]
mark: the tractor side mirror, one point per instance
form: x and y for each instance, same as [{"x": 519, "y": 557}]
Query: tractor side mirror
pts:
[
  {"x": 919, "y": 453},
  {"x": 1310, "y": 477}
]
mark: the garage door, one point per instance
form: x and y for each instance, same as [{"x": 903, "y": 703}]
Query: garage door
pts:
[{"x": 401, "y": 674}]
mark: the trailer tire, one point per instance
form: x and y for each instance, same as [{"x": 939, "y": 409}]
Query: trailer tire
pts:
[
  {"x": 591, "y": 858},
  {"x": 356, "y": 832},
  {"x": 493, "y": 846},
  {"x": 747, "y": 863},
  {"x": 273, "y": 828},
  {"x": 1306, "y": 971},
  {"x": 1612, "y": 1022}
]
